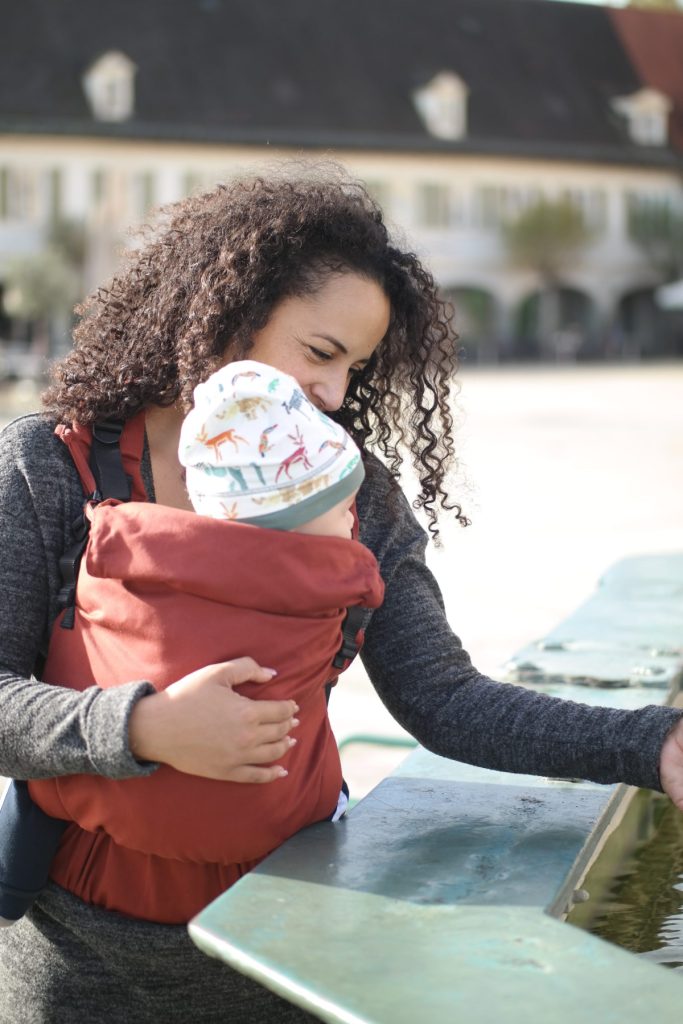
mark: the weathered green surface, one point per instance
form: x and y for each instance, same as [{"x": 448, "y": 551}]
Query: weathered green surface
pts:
[
  {"x": 350, "y": 956},
  {"x": 629, "y": 633},
  {"x": 433, "y": 900}
]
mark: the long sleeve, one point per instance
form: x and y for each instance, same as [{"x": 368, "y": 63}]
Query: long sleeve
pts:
[
  {"x": 427, "y": 681},
  {"x": 47, "y": 730}
]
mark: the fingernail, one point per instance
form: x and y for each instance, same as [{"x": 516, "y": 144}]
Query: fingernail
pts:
[
  {"x": 272, "y": 671},
  {"x": 282, "y": 772},
  {"x": 292, "y": 741},
  {"x": 296, "y": 708},
  {"x": 295, "y": 722}
]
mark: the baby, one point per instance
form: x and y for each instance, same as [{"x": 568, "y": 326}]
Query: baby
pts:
[
  {"x": 283, "y": 464},
  {"x": 258, "y": 453}
]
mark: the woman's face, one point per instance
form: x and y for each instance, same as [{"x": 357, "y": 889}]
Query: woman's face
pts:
[{"x": 322, "y": 339}]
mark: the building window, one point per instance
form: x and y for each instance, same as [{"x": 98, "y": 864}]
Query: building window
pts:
[
  {"x": 442, "y": 105},
  {"x": 595, "y": 208},
  {"x": 591, "y": 202},
  {"x": 142, "y": 194},
  {"x": 192, "y": 182},
  {"x": 54, "y": 198},
  {"x": 647, "y": 116},
  {"x": 380, "y": 191},
  {"x": 98, "y": 187},
  {"x": 495, "y": 205},
  {"x": 18, "y": 194},
  {"x": 434, "y": 206},
  {"x": 649, "y": 128},
  {"x": 109, "y": 87},
  {"x": 648, "y": 217},
  {"x": 3, "y": 193}
]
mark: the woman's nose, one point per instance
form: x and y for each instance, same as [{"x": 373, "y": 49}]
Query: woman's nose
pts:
[{"x": 329, "y": 394}]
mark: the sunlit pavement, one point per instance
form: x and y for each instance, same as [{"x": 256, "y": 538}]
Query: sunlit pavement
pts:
[{"x": 564, "y": 470}]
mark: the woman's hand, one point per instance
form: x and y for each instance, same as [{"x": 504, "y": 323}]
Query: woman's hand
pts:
[
  {"x": 199, "y": 725},
  {"x": 671, "y": 765}
]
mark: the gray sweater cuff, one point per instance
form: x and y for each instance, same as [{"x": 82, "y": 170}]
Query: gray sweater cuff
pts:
[{"x": 106, "y": 716}]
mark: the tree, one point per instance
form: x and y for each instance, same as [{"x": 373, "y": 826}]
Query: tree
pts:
[
  {"x": 546, "y": 237},
  {"x": 40, "y": 286},
  {"x": 43, "y": 287},
  {"x": 657, "y": 230}
]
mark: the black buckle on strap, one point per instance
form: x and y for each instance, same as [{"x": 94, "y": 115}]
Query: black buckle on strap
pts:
[{"x": 349, "y": 645}]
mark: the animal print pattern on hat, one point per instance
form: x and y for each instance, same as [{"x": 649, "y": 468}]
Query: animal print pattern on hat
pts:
[{"x": 256, "y": 450}]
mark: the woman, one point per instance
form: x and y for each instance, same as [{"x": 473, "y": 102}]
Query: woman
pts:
[{"x": 300, "y": 274}]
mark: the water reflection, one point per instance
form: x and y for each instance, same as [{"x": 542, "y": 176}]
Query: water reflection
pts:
[{"x": 636, "y": 885}]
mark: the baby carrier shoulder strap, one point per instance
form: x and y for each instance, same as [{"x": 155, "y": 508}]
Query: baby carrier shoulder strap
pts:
[
  {"x": 98, "y": 454},
  {"x": 106, "y": 462}
]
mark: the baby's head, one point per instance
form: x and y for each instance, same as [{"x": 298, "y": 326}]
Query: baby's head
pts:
[{"x": 257, "y": 451}]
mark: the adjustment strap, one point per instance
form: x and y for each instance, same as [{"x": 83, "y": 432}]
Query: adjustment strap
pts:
[
  {"x": 350, "y": 629},
  {"x": 68, "y": 568},
  {"x": 106, "y": 462},
  {"x": 111, "y": 481}
]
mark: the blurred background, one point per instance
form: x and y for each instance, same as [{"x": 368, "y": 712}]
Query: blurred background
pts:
[{"x": 531, "y": 151}]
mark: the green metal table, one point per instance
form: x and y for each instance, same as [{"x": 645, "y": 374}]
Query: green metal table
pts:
[{"x": 441, "y": 897}]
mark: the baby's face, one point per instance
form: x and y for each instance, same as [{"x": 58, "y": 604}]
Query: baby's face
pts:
[{"x": 336, "y": 522}]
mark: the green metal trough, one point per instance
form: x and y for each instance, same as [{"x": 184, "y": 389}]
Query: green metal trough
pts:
[{"x": 443, "y": 894}]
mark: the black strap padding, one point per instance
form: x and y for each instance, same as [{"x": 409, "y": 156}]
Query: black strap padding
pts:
[
  {"x": 111, "y": 482},
  {"x": 353, "y": 620},
  {"x": 106, "y": 463},
  {"x": 68, "y": 568}
]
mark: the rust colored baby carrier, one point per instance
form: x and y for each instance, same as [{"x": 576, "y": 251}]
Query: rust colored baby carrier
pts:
[{"x": 161, "y": 592}]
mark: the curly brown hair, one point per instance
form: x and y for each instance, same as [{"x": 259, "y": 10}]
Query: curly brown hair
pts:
[{"x": 209, "y": 275}]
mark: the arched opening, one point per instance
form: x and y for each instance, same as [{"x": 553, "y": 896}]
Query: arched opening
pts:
[
  {"x": 556, "y": 324},
  {"x": 642, "y": 330},
  {"x": 476, "y": 321}
]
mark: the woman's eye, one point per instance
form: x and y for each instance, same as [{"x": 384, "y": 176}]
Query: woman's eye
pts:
[{"x": 318, "y": 353}]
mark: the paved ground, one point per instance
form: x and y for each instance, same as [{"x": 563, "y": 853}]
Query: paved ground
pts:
[{"x": 565, "y": 470}]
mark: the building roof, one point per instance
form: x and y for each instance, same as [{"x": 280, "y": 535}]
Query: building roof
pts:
[{"x": 540, "y": 76}]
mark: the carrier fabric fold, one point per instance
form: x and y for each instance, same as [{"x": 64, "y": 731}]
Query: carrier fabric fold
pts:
[{"x": 162, "y": 592}]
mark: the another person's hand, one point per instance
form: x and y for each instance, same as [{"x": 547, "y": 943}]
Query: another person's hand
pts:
[
  {"x": 201, "y": 726},
  {"x": 671, "y": 765}
]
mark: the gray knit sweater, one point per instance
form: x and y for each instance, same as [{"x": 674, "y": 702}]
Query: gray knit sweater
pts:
[{"x": 413, "y": 658}]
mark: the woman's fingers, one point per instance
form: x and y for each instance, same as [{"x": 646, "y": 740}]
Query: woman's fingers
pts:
[
  {"x": 272, "y": 711},
  {"x": 241, "y": 670},
  {"x": 271, "y": 733},
  {"x": 268, "y": 752},
  {"x": 200, "y": 725},
  {"x": 256, "y": 775}
]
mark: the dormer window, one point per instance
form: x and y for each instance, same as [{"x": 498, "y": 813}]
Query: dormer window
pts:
[
  {"x": 442, "y": 105},
  {"x": 647, "y": 115},
  {"x": 109, "y": 87}
]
